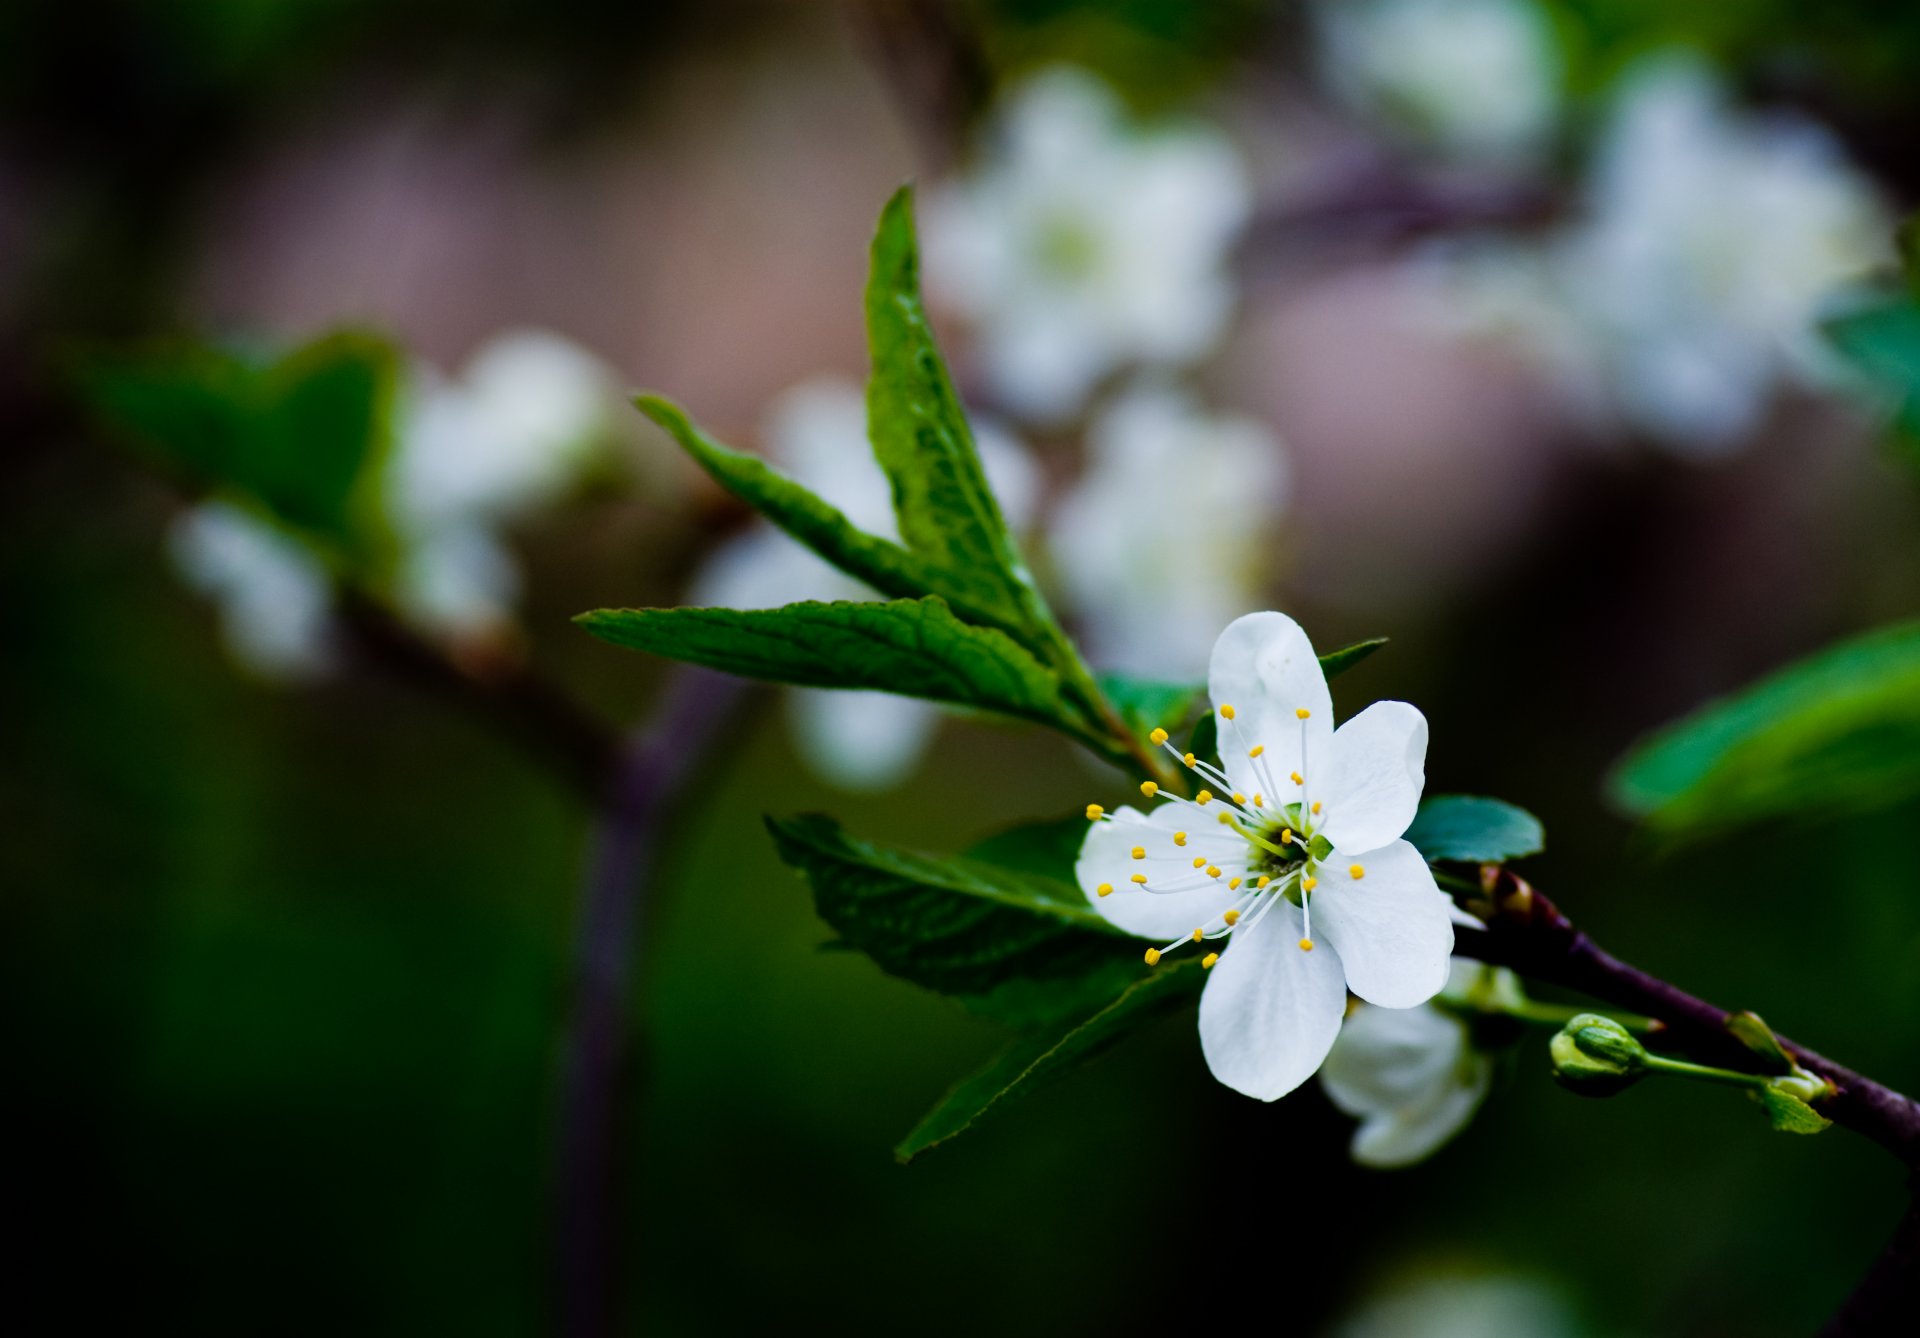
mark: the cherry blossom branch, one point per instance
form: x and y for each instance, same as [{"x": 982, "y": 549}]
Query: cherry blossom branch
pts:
[
  {"x": 657, "y": 768},
  {"x": 1528, "y": 933}
]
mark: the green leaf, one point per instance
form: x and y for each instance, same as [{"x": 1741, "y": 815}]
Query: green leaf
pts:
[
  {"x": 300, "y": 436},
  {"x": 1016, "y": 946},
  {"x": 1040, "y": 1055},
  {"x": 1788, "y": 1114},
  {"x": 913, "y": 647},
  {"x": 1751, "y": 1030},
  {"x": 1048, "y": 848},
  {"x": 1474, "y": 830},
  {"x": 1147, "y": 704},
  {"x": 1884, "y": 342},
  {"x": 1837, "y": 732},
  {"x": 881, "y": 563},
  {"x": 947, "y": 512},
  {"x": 1335, "y": 663}
]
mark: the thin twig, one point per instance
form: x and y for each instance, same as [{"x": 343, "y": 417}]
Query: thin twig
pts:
[
  {"x": 1527, "y": 932},
  {"x": 657, "y": 768}
]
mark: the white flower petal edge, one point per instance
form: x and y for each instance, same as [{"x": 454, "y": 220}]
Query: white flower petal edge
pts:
[
  {"x": 1388, "y": 919},
  {"x": 1270, "y": 1012},
  {"x": 1252, "y": 865},
  {"x": 1410, "y": 1076}
]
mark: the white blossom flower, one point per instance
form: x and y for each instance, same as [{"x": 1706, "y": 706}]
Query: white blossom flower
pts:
[
  {"x": 1458, "y": 1303},
  {"x": 1082, "y": 243},
  {"x": 475, "y": 455},
  {"x": 1306, "y": 828},
  {"x": 1412, "y": 1076},
  {"x": 817, "y": 432},
  {"x": 1712, "y": 241},
  {"x": 1471, "y": 78},
  {"x": 273, "y": 594},
  {"x": 1708, "y": 244},
  {"x": 1150, "y": 600}
]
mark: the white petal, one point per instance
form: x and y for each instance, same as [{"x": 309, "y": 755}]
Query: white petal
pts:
[
  {"x": 1106, "y": 857},
  {"x": 1412, "y": 1134},
  {"x": 1391, "y": 925},
  {"x": 1392, "y": 1059},
  {"x": 1264, "y": 667},
  {"x": 862, "y": 740},
  {"x": 1270, "y": 1011},
  {"x": 1371, "y": 784}
]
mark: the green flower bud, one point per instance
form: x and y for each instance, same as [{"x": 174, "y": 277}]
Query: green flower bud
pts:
[{"x": 1596, "y": 1056}]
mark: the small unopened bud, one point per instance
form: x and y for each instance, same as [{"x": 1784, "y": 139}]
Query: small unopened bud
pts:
[{"x": 1596, "y": 1056}]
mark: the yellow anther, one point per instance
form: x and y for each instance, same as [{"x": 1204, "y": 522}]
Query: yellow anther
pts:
[
  {"x": 1226, "y": 711},
  {"x": 1187, "y": 758},
  {"x": 1104, "y": 890},
  {"x": 1356, "y": 871},
  {"x": 1301, "y": 713},
  {"x": 1256, "y": 750},
  {"x": 1226, "y": 819},
  {"x": 1309, "y": 883},
  {"x": 1140, "y": 878},
  {"x": 1297, "y": 780},
  {"x": 1199, "y": 861},
  {"x": 1139, "y": 852},
  {"x": 1239, "y": 799},
  {"x": 1263, "y": 881},
  {"x": 1231, "y": 917},
  {"x": 1213, "y": 871},
  {"x": 1153, "y": 956},
  {"x": 1199, "y": 934},
  {"x": 1306, "y": 945},
  {"x": 1149, "y": 789},
  {"x": 1233, "y": 884},
  {"x": 1158, "y": 737},
  {"x": 1259, "y": 801},
  {"x": 1209, "y": 960},
  {"x": 1179, "y": 838},
  {"x": 1316, "y": 806},
  {"x": 1286, "y": 836},
  {"x": 1204, "y": 797},
  {"x": 1093, "y": 812}
]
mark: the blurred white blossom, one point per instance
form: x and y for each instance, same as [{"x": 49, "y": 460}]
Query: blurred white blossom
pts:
[
  {"x": 1167, "y": 537},
  {"x": 272, "y": 592},
  {"x": 1412, "y": 1075},
  {"x": 1082, "y": 243},
  {"x": 1465, "y": 1304},
  {"x": 1471, "y": 78},
  {"x": 479, "y": 453},
  {"x": 817, "y": 433},
  {"x": 1713, "y": 241},
  {"x": 1686, "y": 290},
  {"x": 471, "y": 457}
]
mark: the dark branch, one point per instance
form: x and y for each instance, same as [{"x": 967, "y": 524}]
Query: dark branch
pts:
[
  {"x": 659, "y": 766},
  {"x": 1527, "y": 932}
]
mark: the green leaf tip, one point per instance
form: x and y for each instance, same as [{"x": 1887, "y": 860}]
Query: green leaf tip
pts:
[{"x": 1471, "y": 829}]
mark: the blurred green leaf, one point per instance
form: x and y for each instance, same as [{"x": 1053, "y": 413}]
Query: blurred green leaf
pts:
[
  {"x": 301, "y": 436},
  {"x": 1337, "y": 662},
  {"x": 1884, "y": 343},
  {"x": 1048, "y": 848},
  {"x": 914, "y": 647},
  {"x": 1042, "y": 1054},
  {"x": 1474, "y": 830},
  {"x": 947, "y": 511},
  {"x": 1146, "y": 704},
  {"x": 1837, "y": 732},
  {"x": 1788, "y": 1114},
  {"x": 881, "y": 563},
  {"x": 1017, "y": 946}
]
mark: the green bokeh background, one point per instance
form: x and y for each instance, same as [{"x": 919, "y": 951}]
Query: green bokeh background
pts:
[{"x": 284, "y": 971}]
